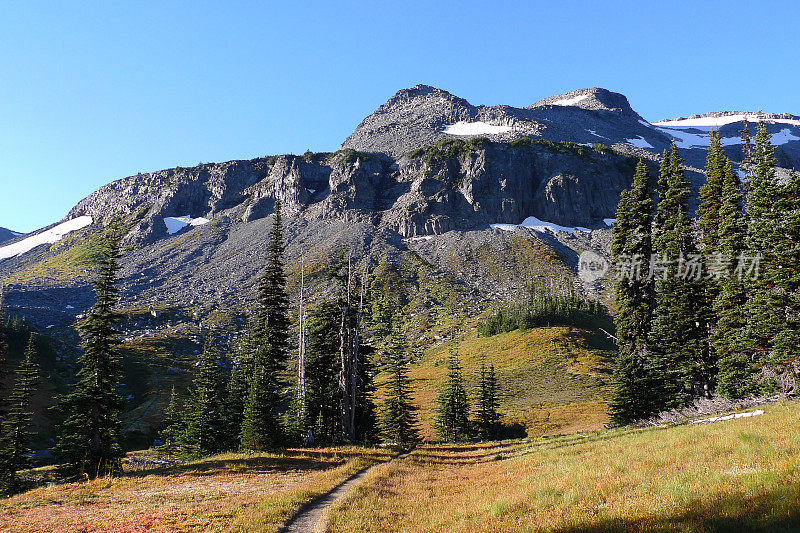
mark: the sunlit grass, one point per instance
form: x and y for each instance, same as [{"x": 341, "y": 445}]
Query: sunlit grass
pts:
[
  {"x": 552, "y": 381},
  {"x": 229, "y": 492},
  {"x": 735, "y": 475}
]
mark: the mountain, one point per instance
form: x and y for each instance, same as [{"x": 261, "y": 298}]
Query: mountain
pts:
[
  {"x": 454, "y": 207},
  {"x": 422, "y": 115},
  {"x": 7, "y": 234},
  {"x": 428, "y": 174}
]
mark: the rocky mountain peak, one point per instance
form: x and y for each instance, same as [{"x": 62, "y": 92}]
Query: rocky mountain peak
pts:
[{"x": 592, "y": 99}]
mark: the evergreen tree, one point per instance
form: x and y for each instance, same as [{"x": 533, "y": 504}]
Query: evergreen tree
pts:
[
  {"x": 786, "y": 343},
  {"x": 322, "y": 371},
  {"x": 3, "y": 355},
  {"x": 399, "y": 413},
  {"x": 632, "y": 244},
  {"x": 237, "y": 389},
  {"x": 174, "y": 427},
  {"x": 678, "y": 339},
  {"x": 487, "y": 417},
  {"x": 764, "y": 240},
  {"x": 88, "y": 440},
  {"x": 205, "y": 421},
  {"x": 261, "y": 427},
  {"x": 452, "y": 417},
  {"x": 711, "y": 194},
  {"x": 736, "y": 371},
  {"x": 718, "y": 167},
  {"x": 17, "y": 427}
]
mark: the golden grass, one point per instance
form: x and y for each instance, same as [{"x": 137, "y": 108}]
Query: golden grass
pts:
[
  {"x": 230, "y": 492},
  {"x": 551, "y": 380},
  {"x": 737, "y": 475}
]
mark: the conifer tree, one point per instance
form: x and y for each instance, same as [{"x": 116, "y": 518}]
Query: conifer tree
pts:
[
  {"x": 487, "y": 419},
  {"x": 174, "y": 427},
  {"x": 632, "y": 243},
  {"x": 452, "y": 417},
  {"x": 709, "y": 223},
  {"x": 399, "y": 421},
  {"x": 764, "y": 236},
  {"x": 261, "y": 427},
  {"x": 3, "y": 354},
  {"x": 238, "y": 387},
  {"x": 736, "y": 370},
  {"x": 786, "y": 343},
  {"x": 711, "y": 194},
  {"x": 322, "y": 370},
  {"x": 678, "y": 338},
  {"x": 17, "y": 427},
  {"x": 205, "y": 421},
  {"x": 88, "y": 442}
]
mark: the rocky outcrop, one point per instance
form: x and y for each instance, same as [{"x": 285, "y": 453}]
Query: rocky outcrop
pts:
[{"x": 7, "y": 234}]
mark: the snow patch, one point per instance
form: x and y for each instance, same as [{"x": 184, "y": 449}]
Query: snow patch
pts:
[
  {"x": 715, "y": 122},
  {"x": 609, "y": 221},
  {"x": 420, "y": 238},
  {"x": 645, "y": 123},
  {"x": 475, "y": 128},
  {"x": 175, "y": 224},
  {"x": 538, "y": 225},
  {"x": 688, "y": 139},
  {"x": 70, "y": 307},
  {"x": 783, "y": 137},
  {"x": 596, "y": 134},
  {"x": 639, "y": 142},
  {"x": 50, "y": 236},
  {"x": 570, "y": 101}
]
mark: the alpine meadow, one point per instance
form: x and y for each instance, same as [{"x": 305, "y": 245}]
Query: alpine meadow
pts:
[{"x": 557, "y": 315}]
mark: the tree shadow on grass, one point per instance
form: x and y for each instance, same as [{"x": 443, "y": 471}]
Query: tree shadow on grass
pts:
[
  {"x": 211, "y": 467},
  {"x": 293, "y": 461},
  {"x": 774, "y": 510}
]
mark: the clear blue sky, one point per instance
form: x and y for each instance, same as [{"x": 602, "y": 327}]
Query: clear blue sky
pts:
[{"x": 92, "y": 92}]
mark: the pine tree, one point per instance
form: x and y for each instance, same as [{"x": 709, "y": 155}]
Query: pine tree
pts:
[
  {"x": 452, "y": 417},
  {"x": 17, "y": 427},
  {"x": 747, "y": 147},
  {"x": 764, "y": 236},
  {"x": 322, "y": 371},
  {"x": 487, "y": 417},
  {"x": 237, "y": 388},
  {"x": 632, "y": 243},
  {"x": 173, "y": 425},
  {"x": 88, "y": 440},
  {"x": 786, "y": 343},
  {"x": 736, "y": 371},
  {"x": 261, "y": 427},
  {"x": 678, "y": 337},
  {"x": 3, "y": 355},
  {"x": 711, "y": 194},
  {"x": 205, "y": 422},
  {"x": 708, "y": 287},
  {"x": 399, "y": 421}
]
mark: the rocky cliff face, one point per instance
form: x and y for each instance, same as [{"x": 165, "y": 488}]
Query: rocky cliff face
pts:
[{"x": 456, "y": 185}]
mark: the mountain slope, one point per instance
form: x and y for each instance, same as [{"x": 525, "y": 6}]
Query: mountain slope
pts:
[
  {"x": 7, "y": 234},
  {"x": 422, "y": 115}
]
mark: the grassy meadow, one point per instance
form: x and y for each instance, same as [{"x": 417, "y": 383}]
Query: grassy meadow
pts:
[
  {"x": 552, "y": 380},
  {"x": 228, "y": 492},
  {"x": 738, "y": 475}
]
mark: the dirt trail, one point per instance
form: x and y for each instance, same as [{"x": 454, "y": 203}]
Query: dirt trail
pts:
[{"x": 308, "y": 519}]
